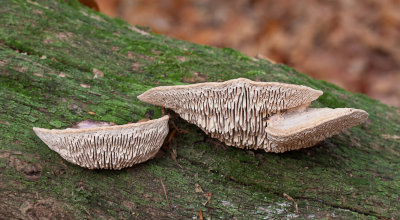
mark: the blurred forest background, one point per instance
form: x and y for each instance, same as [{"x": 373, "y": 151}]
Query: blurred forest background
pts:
[{"x": 352, "y": 43}]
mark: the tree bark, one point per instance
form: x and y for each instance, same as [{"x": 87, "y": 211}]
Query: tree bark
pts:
[{"x": 61, "y": 63}]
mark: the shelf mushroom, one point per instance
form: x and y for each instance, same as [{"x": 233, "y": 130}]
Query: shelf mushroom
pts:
[
  {"x": 107, "y": 147},
  {"x": 255, "y": 115},
  {"x": 296, "y": 130}
]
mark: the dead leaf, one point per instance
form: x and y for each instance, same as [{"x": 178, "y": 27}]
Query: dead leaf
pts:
[
  {"x": 156, "y": 52},
  {"x": 97, "y": 73},
  {"x": 208, "y": 197},
  {"x": 92, "y": 113},
  {"x": 136, "y": 66},
  {"x": 48, "y": 40},
  {"x": 21, "y": 69},
  {"x": 130, "y": 55},
  {"x": 64, "y": 35},
  {"x": 5, "y": 122},
  {"x": 182, "y": 59},
  {"x": 393, "y": 137},
  {"x": 198, "y": 188},
  {"x": 3, "y": 62},
  {"x": 62, "y": 75},
  {"x": 114, "y": 48},
  {"x": 84, "y": 85}
]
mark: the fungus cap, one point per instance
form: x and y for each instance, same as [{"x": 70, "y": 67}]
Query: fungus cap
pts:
[
  {"x": 236, "y": 111},
  {"x": 107, "y": 147},
  {"x": 295, "y": 130},
  {"x": 280, "y": 96}
]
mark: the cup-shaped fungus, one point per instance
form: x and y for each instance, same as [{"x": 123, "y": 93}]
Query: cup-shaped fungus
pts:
[{"x": 107, "y": 147}]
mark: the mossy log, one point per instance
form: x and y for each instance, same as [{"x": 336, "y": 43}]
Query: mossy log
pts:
[{"x": 61, "y": 63}]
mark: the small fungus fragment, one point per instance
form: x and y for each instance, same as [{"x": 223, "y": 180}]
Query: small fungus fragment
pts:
[
  {"x": 240, "y": 113},
  {"x": 107, "y": 147}
]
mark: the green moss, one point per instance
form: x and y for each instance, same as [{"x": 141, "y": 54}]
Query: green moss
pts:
[
  {"x": 56, "y": 123},
  {"x": 3, "y": 162}
]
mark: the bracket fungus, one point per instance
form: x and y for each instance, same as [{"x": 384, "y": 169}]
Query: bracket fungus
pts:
[
  {"x": 255, "y": 115},
  {"x": 296, "y": 130},
  {"x": 107, "y": 147}
]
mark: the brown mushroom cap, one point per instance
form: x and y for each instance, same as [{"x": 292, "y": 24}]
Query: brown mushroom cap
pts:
[
  {"x": 235, "y": 111},
  {"x": 295, "y": 130},
  {"x": 109, "y": 147}
]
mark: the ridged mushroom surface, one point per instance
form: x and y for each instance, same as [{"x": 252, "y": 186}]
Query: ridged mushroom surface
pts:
[
  {"x": 296, "y": 130},
  {"x": 234, "y": 112},
  {"x": 110, "y": 147}
]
